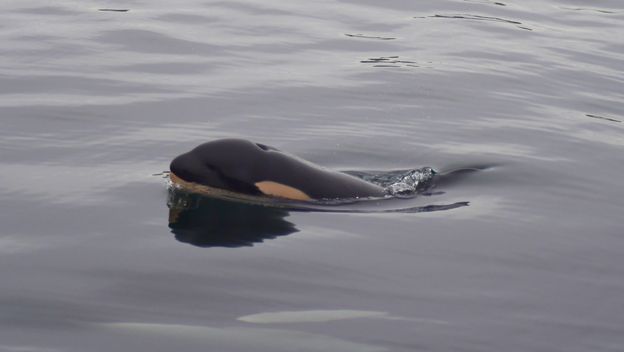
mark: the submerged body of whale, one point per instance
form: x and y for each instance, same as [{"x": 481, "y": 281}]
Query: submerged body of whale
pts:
[{"x": 242, "y": 167}]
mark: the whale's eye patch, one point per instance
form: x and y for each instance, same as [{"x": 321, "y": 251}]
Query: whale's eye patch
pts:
[{"x": 280, "y": 190}]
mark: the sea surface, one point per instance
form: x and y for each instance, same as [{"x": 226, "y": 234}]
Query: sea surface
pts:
[{"x": 97, "y": 97}]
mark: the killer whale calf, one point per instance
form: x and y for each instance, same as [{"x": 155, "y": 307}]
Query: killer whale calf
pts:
[{"x": 240, "y": 168}]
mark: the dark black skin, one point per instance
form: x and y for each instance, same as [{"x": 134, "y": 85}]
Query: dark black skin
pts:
[{"x": 237, "y": 164}]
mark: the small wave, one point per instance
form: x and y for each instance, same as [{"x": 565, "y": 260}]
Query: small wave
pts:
[
  {"x": 368, "y": 36},
  {"x": 588, "y": 9},
  {"x": 481, "y": 18},
  {"x": 389, "y": 61},
  {"x": 497, "y": 3},
  {"x": 602, "y": 118},
  {"x": 114, "y": 10}
]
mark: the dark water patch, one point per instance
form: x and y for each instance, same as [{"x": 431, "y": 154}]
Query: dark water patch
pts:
[
  {"x": 368, "y": 36},
  {"x": 602, "y": 118}
]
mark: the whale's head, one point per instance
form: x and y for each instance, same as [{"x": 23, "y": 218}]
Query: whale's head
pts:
[{"x": 228, "y": 164}]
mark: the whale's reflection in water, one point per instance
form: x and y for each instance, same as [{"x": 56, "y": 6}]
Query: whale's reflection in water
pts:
[
  {"x": 205, "y": 221},
  {"x": 209, "y": 222}
]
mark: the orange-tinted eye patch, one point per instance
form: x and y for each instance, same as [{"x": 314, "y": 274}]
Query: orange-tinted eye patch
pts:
[{"x": 280, "y": 190}]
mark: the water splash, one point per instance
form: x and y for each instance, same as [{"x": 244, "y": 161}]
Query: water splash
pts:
[
  {"x": 401, "y": 183},
  {"x": 178, "y": 199}
]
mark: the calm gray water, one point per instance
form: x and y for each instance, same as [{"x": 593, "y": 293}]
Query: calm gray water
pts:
[{"x": 92, "y": 103}]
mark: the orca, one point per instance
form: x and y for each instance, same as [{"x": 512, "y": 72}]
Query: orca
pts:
[{"x": 240, "y": 167}]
